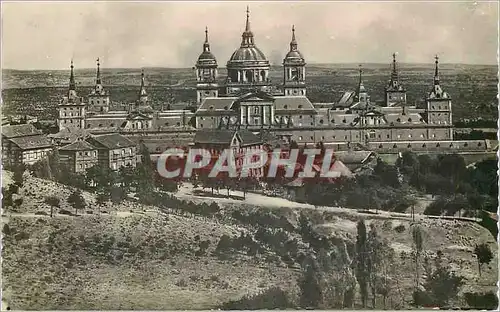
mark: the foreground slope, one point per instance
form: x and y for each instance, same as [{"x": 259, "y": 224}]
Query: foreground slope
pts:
[{"x": 131, "y": 256}]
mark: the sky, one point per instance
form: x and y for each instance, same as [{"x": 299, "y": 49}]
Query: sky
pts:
[{"x": 47, "y": 35}]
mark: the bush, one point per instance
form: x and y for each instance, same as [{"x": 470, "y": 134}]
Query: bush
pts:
[
  {"x": 487, "y": 301},
  {"x": 400, "y": 228},
  {"x": 272, "y": 298}
]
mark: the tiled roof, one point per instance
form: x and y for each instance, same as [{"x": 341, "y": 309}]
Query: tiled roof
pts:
[
  {"x": 19, "y": 131},
  {"x": 113, "y": 141},
  {"x": 78, "y": 146},
  {"x": 32, "y": 142}
]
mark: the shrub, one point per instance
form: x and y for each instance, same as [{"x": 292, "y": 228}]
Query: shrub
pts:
[
  {"x": 272, "y": 298},
  {"x": 400, "y": 228},
  {"x": 486, "y": 301}
]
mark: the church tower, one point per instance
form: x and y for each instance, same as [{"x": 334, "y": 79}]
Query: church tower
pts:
[
  {"x": 98, "y": 97},
  {"x": 71, "y": 107},
  {"x": 395, "y": 93},
  {"x": 439, "y": 107},
  {"x": 294, "y": 76},
  {"x": 206, "y": 73},
  {"x": 361, "y": 95}
]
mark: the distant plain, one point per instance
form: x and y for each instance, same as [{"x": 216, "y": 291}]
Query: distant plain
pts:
[{"x": 473, "y": 88}]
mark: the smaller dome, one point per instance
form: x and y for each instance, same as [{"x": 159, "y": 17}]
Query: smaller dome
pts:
[{"x": 206, "y": 56}]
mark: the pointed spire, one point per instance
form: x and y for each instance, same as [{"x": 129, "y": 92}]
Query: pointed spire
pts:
[
  {"x": 142, "y": 92},
  {"x": 72, "y": 85},
  {"x": 98, "y": 76},
  {"x": 247, "y": 37},
  {"x": 247, "y": 26},
  {"x": 361, "y": 87},
  {"x": 394, "y": 73},
  {"x": 436, "y": 71},
  {"x": 293, "y": 43},
  {"x": 206, "y": 44}
]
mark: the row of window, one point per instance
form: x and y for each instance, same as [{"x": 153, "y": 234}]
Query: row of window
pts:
[
  {"x": 424, "y": 145},
  {"x": 88, "y": 153},
  {"x": 372, "y": 135}
]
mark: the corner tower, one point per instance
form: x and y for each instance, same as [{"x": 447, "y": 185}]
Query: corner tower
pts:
[
  {"x": 294, "y": 75},
  {"x": 439, "y": 106},
  {"x": 206, "y": 73},
  {"x": 395, "y": 93},
  {"x": 71, "y": 107},
  {"x": 98, "y": 97}
]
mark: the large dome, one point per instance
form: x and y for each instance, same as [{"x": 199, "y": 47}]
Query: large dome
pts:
[{"x": 248, "y": 54}]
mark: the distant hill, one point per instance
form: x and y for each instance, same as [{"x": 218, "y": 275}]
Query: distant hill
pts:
[{"x": 473, "y": 87}]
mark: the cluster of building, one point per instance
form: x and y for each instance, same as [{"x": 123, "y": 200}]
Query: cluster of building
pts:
[{"x": 247, "y": 99}]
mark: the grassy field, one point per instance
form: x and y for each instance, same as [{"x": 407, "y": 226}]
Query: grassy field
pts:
[
  {"x": 138, "y": 257},
  {"x": 472, "y": 87}
]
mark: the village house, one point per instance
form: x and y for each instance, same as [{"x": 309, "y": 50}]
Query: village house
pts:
[
  {"x": 114, "y": 150},
  {"x": 23, "y": 144},
  {"x": 78, "y": 156}
]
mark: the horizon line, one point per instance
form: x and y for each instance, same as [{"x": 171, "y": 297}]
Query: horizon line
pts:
[{"x": 223, "y": 67}]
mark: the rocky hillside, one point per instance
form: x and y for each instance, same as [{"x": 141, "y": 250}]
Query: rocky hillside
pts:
[{"x": 131, "y": 256}]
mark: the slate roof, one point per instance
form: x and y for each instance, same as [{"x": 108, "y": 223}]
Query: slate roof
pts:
[
  {"x": 113, "y": 141},
  {"x": 32, "y": 142},
  {"x": 293, "y": 102},
  {"x": 224, "y": 136},
  {"x": 78, "y": 146},
  {"x": 353, "y": 157},
  {"x": 248, "y": 138},
  {"x": 217, "y": 103},
  {"x": 214, "y": 136},
  {"x": 16, "y": 131}
]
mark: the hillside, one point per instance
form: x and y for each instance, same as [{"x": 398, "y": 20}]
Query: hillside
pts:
[{"x": 131, "y": 256}]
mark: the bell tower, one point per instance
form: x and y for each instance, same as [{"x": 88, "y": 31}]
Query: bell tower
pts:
[
  {"x": 294, "y": 75},
  {"x": 71, "y": 107},
  {"x": 439, "y": 108},
  {"x": 206, "y": 73}
]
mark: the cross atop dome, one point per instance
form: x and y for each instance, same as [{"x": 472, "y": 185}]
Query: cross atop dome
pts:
[
  {"x": 247, "y": 36},
  {"x": 206, "y": 44}
]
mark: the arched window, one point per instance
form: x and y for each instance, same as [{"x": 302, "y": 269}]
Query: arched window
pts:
[
  {"x": 262, "y": 75},
  {"x": 249, "y": 75}
]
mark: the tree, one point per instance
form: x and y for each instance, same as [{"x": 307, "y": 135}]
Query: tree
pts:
[
  {"x": 417, "y": 250},
  {"x": 76, "y": 200},
  {"x": 441, "y": 286},
  {"x": 18, "y": 172},
  {"x": 52, "y": 201},
  {"x": 483, "y": 254},
  {"x": 374, "y": 248},
  {"x": 311, "y": 292},
  {"x": 361, "y": 262}
]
